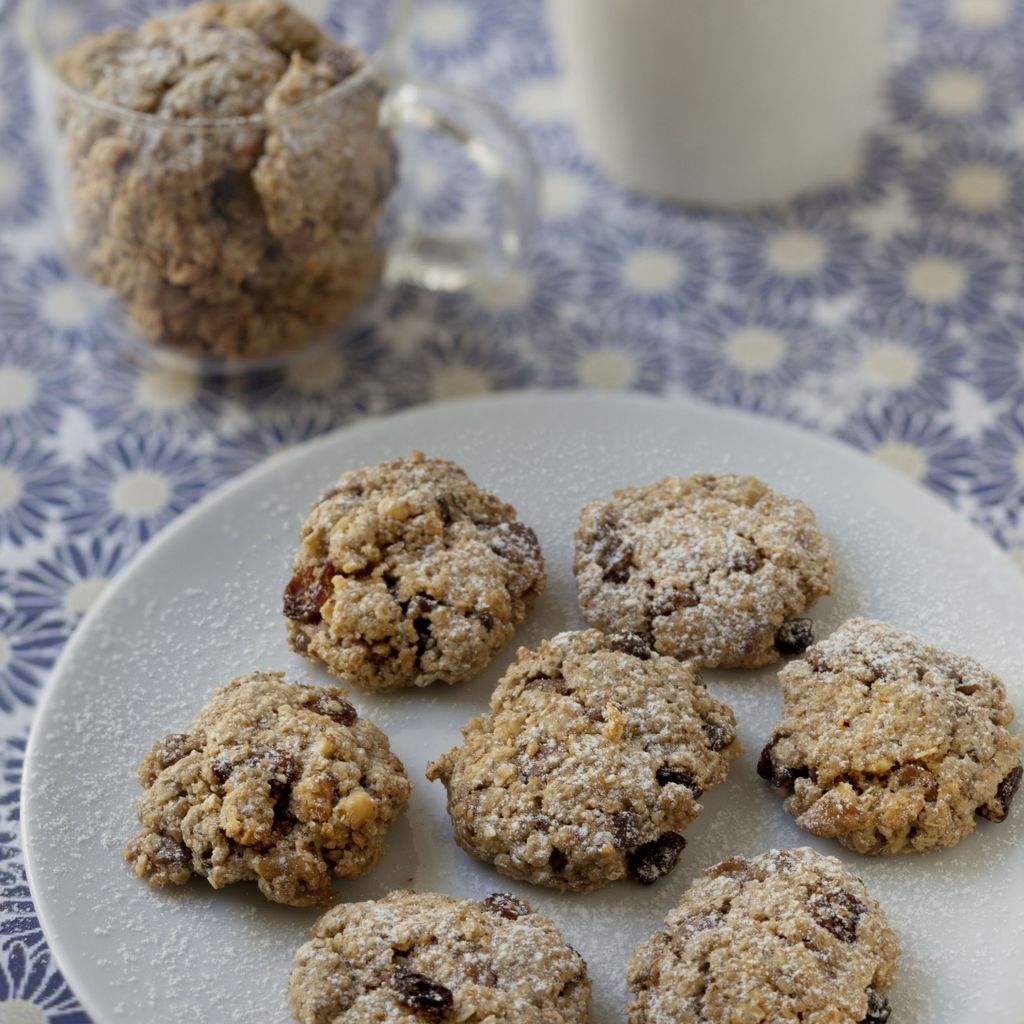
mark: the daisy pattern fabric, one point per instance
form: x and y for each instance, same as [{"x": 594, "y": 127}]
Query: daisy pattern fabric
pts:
[{"x": 886, "y": 310}]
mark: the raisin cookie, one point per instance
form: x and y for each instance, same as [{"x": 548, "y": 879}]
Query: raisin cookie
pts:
[
  {"x": 275, "y": 782},
  {"x": 408, "y": 573},
  {"x": 589, "y": 765},
  {"x": 242, "y": 242},
  {"x": 712, "y": 567},
  {"x": 889, "y": 744},
  {"x": 428, "y": 957},
  {"x": 790, "y": 936}
]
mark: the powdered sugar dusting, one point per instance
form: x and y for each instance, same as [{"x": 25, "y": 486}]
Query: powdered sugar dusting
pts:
[
  {"x": 789, "y": 936},
  {"x": 589, "y": 765},
  {"x": 710, "y": 566},
  {"x": 494, "y": 960},
  {"x": 202, "y": 606}
]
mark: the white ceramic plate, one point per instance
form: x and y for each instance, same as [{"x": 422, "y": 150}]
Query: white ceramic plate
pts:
[{"x": 202, "y": 604}]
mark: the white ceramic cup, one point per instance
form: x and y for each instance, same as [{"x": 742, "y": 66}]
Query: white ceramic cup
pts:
[{"x": 722, "y": 102}]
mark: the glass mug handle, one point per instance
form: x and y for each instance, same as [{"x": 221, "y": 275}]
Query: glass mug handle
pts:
[{"x": 500, "y": 152}]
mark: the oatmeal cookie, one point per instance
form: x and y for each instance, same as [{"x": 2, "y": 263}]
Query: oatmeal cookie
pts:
[
  {"x": 589, "y": 765},
  {"x": 275, "y": 782},
  {"x": 790, "y": 936},
  {"x": 244, "y": 241},
  {"x": 428, "y": 957},
  {"x": 889, "y": 744},
  {"x": 715, "y": 567},
  {"x": 408, "y": 573}
]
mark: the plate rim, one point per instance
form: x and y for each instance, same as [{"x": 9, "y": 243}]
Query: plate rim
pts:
[{"x": 367, "y": 424}]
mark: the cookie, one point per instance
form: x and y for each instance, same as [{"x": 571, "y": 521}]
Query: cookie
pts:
[
  {"x": 275, "y": 782},
  {"x": 589, "y": 765},
  {"x": 790, "y": 936},
  {"x": 889, "y": 744},
  {"x": 242, "y": 242},
  {"x": 426, "y": 957},
  {"x": 716, "y": 567},
  {"x": 408, "y": 573}
]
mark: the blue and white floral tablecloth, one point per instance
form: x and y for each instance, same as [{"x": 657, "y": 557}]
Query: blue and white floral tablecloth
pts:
[{"x": 888, "y": 311}]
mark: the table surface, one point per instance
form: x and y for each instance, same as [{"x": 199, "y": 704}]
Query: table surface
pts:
[{"x": 621, "y": 291}]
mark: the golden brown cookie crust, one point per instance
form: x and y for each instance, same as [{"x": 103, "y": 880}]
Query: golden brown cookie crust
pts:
[
  {"x": 890, "y": 744},
  {"x": 589, "y": 764},
  {"x": 275, "y": 782},
  {"x": 711, "y": 566},
  {"x": 427, "y": 957},
  {"x": 409, "y": 573},
  {"x": 790, "y": 937}
]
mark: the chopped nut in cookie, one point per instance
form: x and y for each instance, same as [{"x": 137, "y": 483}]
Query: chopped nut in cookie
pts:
[{"x": 610, "y": 744}]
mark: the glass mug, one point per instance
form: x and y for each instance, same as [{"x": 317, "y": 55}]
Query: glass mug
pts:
[{"x": 239, "y": 241}]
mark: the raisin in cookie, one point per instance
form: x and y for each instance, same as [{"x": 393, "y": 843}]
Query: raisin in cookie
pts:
[
  {"x": 712, "y": 567},
  {"x": 427, "y": 957},
  {"x": 790, "y": 936},
  {"x": 275, "y": 782},
  {"x": 409, "y": 573},
  {"x": 589, "y": 765},
  {"x": 889, "y": 744}
]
